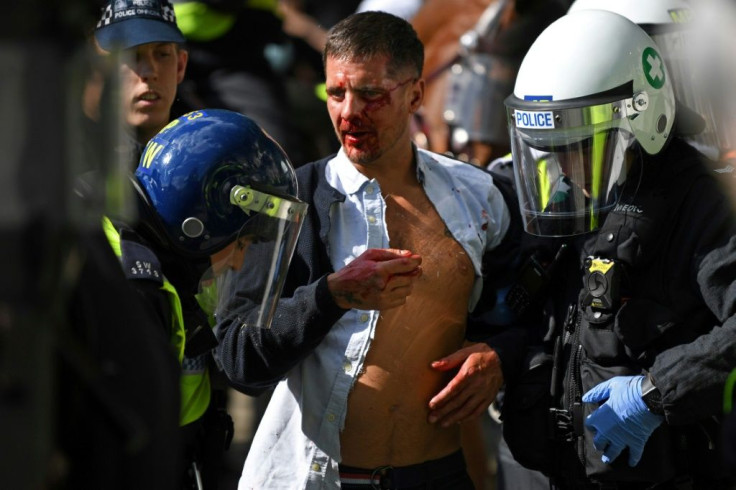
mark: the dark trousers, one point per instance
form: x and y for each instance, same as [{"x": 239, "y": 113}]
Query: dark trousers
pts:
[
  {"x": 447, "y": 473},
  {"x": 680, "y": 484},
  {"x": 205, "y": 441}
]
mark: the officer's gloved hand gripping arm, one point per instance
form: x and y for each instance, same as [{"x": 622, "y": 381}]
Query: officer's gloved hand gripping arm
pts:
[{"x": 623, "y": 421}]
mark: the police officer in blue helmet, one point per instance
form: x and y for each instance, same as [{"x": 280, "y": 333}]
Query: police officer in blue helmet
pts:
[{"x": 214, "y": 193}]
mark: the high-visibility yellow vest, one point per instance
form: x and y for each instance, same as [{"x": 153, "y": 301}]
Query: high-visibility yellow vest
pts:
[
  {"x": 728, "y": 392},
  {"x": 194, "y": 380},
  {"x": 200, "y": 22}
]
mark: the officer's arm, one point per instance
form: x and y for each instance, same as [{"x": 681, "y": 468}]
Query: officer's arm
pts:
[
  {"x": 690, "y": 377},
  {"x": 255, "y": 359}
]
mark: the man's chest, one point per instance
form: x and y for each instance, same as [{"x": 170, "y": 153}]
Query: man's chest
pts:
[{"x": 414, "y": 224}]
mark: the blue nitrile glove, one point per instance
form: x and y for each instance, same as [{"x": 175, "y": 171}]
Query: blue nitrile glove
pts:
[{"x": 623, "y": 421}]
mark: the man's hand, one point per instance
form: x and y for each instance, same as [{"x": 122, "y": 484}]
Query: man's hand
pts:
[
  {"x": 378, "y": 279},
  {"x": 623, "y": 421},
  {"x": 473, "y": 388}
]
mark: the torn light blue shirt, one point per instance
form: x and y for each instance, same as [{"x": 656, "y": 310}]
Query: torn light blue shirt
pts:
[{"x": 297, "y": 444}]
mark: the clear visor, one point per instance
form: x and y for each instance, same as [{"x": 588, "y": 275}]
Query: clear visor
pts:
[
  {"x": 569, "y": 165},
  {"x": 245, "y": 280}
]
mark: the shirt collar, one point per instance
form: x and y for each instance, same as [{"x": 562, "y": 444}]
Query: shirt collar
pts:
[
  {"x": 352, "y": 181},
  {"x": 349, "y": 180}
]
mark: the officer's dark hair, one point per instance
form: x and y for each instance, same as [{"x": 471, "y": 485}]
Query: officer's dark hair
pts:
[{"x": 369, "y": 34}]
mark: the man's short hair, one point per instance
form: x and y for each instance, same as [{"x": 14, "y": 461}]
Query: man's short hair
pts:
[{"x": 368, "y": 34}]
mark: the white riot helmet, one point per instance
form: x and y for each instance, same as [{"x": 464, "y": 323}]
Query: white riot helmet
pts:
[
  {"x": 590, "y": 91},
  {"x": 644, "y": 13},
  {"x": 672, "y": 25}
]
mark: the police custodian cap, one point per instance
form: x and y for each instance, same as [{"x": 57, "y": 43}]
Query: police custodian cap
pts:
[{"x": 128, "y": 23}]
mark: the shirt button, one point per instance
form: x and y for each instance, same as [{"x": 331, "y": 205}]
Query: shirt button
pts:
[
  {"x": 330, "y": 417},
  {"x": 371, "y": 219},
  {"x": 369, "y": 189},
  {"x": 347, "y": 367},
  {"x": 315, "y": 467},
  {"x": 364, "y": 317}
]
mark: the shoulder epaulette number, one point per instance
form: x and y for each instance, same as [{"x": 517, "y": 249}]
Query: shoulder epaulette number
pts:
[{"x": 139, "y": 262}]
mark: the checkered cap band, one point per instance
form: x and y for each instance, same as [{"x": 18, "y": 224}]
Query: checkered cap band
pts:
[
  {"x": 127, "y": 23},
  {"x": 168, "y": 12},
  {"x": 106, "y": 16},
  {"x": 120, "y": 10}
]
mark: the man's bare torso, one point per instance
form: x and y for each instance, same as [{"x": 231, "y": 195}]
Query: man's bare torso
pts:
[{"x": 387, "y": 413}]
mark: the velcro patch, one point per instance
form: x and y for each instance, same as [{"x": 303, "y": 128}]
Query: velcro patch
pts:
[{"x": 139, "y": 262}]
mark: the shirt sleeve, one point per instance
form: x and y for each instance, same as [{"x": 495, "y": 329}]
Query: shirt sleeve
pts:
[
  {"x": 499, "y": 215},
  {"x": 488, "y": 322}
]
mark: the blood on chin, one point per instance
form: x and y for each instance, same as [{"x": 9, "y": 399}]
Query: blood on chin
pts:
[{"x": 360, "y": 153}]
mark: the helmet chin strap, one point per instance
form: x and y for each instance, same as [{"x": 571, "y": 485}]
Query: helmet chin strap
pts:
[{"x": 634, "y": 163}]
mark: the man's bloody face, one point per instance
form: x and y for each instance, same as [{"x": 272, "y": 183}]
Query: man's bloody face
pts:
[{"x": 370, "y": 106}]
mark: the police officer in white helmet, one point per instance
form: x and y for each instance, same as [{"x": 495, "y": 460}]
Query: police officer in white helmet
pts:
[{"x": 630, "y": 293}]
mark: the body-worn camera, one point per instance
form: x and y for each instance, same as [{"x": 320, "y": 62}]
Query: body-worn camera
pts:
[{"x": 601, "y": 283}]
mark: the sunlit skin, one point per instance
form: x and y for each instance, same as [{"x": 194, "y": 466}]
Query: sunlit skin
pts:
[
  {"x": 377, "y": 279},
  {"x": 230, "y": 257},
  {"x": 150, "y": 74},
  {"x": 370, "y": 107},
  {"x": 573, "y": 165}
]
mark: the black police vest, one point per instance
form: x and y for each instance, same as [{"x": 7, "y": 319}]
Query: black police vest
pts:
[{"x": 629, "y": 310}]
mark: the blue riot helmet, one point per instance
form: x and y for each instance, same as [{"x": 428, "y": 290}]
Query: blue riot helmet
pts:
[{"x": 217, "y": 186}]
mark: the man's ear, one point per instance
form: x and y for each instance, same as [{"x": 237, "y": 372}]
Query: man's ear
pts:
[
  {"x": 417, "y": 95},
  {"x": 181, "y": 64}
]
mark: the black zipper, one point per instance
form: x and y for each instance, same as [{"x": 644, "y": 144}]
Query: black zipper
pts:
[{"x": 573, "y": 393}]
